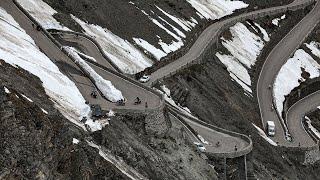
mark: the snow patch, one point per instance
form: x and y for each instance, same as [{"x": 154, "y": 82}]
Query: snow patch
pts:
[
  {"x": 277, "y": 20},
  {"x": 30, "y": 100},
  {"x": 264, "y": 136},
  {"x": 314, "y": 47},
  {"x": 75, "y": 141},
  {"x": 236, "y": 70},
  {"x": 185, "y": 25},
  {"x": 215, "y": 9},
  {"x": 157, "y": 53},
  {"x": 111, "y": 113},
  {"x": 174, "y": 45},
  {"x": 104, "y": 86},
  {"x": 6, "y": 90},
  {"x": 43, "y": 14},
  {"x": 44, "y": 111},
  {"x": 119, "y": 163},
  {"x": 17, "y": 48},
  {"x": 264, "y": 32},
  {"x": 290, "y": 74},
  {"x": 244, "y": 48},
  {"x": 167, "y": 97},
  {"x": 121, "y": 52}
]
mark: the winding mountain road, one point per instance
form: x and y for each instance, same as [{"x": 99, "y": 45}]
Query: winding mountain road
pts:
[
  {"x": 277, "y": 57},
  {"x": 67, "y": 66},
  {"x": 129, "y": 89},
  {"x": 207, "y": 38},
  {"x": 210, "y": 35},
  {"x": 227, "y": 143}
]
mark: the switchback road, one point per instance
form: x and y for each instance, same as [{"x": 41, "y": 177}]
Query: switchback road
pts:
[
  {"x": 210, "y": 35},
  {"x": 277, "y": 57}
]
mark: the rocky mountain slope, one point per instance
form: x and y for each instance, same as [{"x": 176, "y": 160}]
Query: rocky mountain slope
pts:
[
  {"x": 211, "y": 92},
  {"x": 38, "y": 142}
]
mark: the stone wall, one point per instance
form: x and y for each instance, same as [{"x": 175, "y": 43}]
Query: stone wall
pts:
[
  {"x": 156, "y": 123},
  {"x": 311, "y": 156}
]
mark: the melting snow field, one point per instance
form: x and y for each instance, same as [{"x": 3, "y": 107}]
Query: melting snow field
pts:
[
  {"x": 290, "y": 73},
  {"x": 244, "y": 48},
  {"x": 177, "y": 34},
  {"x": 277, "y": 20},
  {"x": 18, "y": 49},
  {"x": 209, "y": 9},
  {"x": 43, "y": 13},
  {"x": 121, "y": 52},
  {"x": 215, "y": 9},
  {"x": 104, "y": 86}
]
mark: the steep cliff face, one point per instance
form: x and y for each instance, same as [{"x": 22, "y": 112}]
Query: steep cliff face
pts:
[
  {"x": 171, "y": 156},
  {"x": 38, "y": 142}
]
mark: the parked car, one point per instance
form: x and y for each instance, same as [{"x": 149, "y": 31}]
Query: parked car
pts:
[
  {"x": 144, "y": 79},
  {"x": 200, "y": 147},
  {"x": 271, "y": 128}
]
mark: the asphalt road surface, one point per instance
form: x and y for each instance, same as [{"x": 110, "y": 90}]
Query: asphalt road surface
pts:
[
  {"x": 66, "y": 65},
  {"x": 131, "y": 91},
  {"x": 278, "y": 56},
  {"x": 227, "y": 144},
  {"x": 208, "y": 35},
  {"x": 87, "y": 47}
]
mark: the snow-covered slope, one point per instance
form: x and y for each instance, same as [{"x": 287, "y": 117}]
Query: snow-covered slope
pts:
[
  {"x": 124, "y": 54},
  {"x": 290, "y": 74},
  {"x": 215, "y": 9},
  {"x": 176, "y": 31},
  {"x": 244, "y": 48},
  {"x": 18, "y": 49},
  {"x": 43, "y": 13},
  {"x": 276, "y": 21},
  {"x": 127, "y": 57},
  {"x": 104, "y": 86}
]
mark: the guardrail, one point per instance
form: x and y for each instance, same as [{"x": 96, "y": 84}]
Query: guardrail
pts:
[
  {"x": 229, "y": 22},
  {"x": 59, "y": 45},
  {"x": 234, "y": 154}
]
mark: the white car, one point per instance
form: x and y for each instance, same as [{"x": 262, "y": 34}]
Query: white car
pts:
[
  {"x": 144, "y": 79},
  {"x": 200, "y": 147},
  {"x": 271, "y": 128}
]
